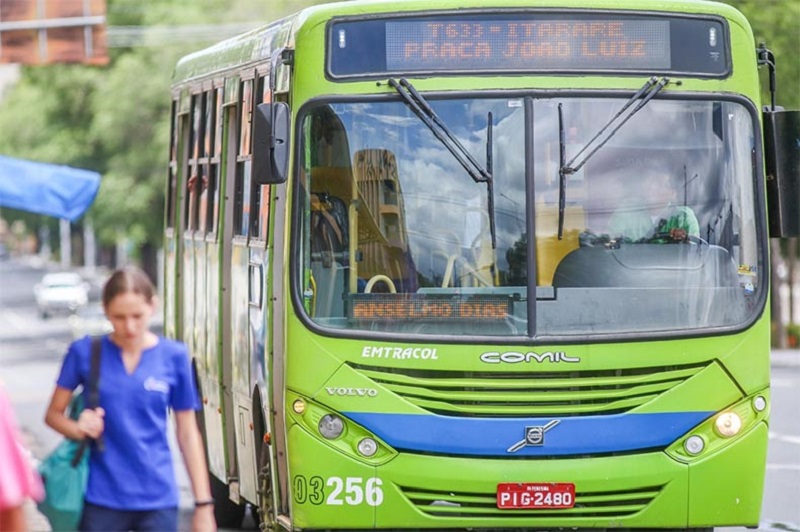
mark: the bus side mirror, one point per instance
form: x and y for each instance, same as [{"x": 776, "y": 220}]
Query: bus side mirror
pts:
[
  {"x": 271, "y": 143},
  {"x": 782, "y": 160}
]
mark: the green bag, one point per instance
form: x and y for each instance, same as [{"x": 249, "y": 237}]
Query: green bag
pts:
[
  {"x": 65, "y": 484},
  {"x": 65, "y": 471}
]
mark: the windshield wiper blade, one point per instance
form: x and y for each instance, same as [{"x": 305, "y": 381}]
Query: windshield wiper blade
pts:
[
  {"x": 425, "y": 106},
  {"x": 652, "y": 87},
  {"x": 490, "y": 180},
  {"x": 562, "y": 175},
  {"x": 428, "y": 116},
  {"x": 649, "y": 90},
  {"x": 438, "y": 128},
  {"x": 646, "y": 87}
]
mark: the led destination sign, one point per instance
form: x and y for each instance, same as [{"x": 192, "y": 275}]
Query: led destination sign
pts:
[
  {"x": 523, "y": 45},
  {"x": 528, "y": 42},
  {"x": 389, "y": 307}
]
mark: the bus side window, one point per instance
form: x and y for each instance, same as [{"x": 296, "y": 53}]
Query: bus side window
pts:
[
  {"x": 329, "y": 229},
  {"x": 172, "y": 171},
  {"x": 259, "y": 220},
  {"x": 213, "y": 157},
  {"x": 243, "y": 161},
  {"x": 194, "y": 185},
  {"x": 329, "y": 253},
  {"x": 202, "y": 155}
]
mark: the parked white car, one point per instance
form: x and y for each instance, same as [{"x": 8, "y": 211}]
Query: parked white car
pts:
[
  {"x": 60, "y": 292},
  {"x": 89, "y": 320}
]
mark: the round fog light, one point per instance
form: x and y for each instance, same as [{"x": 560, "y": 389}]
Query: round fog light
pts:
[
  {"x": 694, "y": 445},
  {"x": 367, "y": 447},
  {"x": 299, "y": 406},
  {"x": 728, "y": 424},
  {"x": 331, "y": 426},
  {"x": 759, "y": 403}
]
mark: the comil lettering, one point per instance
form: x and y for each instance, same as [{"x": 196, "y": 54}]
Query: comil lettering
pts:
[{"x": 514, "y": 357}]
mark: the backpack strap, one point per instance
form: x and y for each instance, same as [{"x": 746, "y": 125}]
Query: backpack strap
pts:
[{"x": 92, "y": 397}]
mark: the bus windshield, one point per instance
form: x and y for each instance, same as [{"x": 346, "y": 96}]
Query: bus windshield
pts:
[{"x": 659, "y": 230}]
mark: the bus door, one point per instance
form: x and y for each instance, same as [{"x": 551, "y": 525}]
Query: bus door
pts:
[
  {"x": 199, "y": 250},
  {"x": 221, "y": 294},
  {"x": 247, "y": 298},
  {"x": 208, "y": 268}
]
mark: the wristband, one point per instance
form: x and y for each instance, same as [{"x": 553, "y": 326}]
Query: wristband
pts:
[{"x": 209, "y": 502}]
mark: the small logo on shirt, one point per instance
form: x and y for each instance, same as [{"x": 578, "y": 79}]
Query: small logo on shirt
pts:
[{"x": 154, "y": 385}]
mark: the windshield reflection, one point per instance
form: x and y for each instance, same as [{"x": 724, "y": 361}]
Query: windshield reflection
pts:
[{"x": 396, "y": 235}]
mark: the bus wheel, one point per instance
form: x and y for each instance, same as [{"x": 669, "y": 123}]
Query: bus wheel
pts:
[
  {"x": 227, "y": 513},
  {"x": 266, "y": 513}
]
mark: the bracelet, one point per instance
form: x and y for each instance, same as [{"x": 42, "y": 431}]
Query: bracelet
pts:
[{"x": 209, "y": 502}]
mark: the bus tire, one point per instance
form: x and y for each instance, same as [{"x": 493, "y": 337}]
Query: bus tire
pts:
[{"x": 227, "y": 513}]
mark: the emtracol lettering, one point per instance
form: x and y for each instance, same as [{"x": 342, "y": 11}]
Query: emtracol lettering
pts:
[
  {"x": 514, "y": 357},
  {"x": 399, "y": 353}
]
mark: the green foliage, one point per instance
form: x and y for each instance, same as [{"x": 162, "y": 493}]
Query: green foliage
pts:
[
  {"x": 47, "y": 116},
  {"x": 777, "y": 23},
  {"x": 114, "y": 119}
]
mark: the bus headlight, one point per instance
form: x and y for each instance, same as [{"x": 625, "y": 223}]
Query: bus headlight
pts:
[
  {"x": 331, "y": 426},
  {"x": 728, "y": 424},
  {"x": 367, "y": 447},
  {"x": 759, "y": 403},
  {"x": 722, "y": 429},
  {"x": 694, "y": 445}
]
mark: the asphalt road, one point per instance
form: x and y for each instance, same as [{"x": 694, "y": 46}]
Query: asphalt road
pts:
[{"x": 31, "y": 350}]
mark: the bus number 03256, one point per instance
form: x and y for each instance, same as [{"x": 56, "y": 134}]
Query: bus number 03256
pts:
[{"x": 337, "y": 491}]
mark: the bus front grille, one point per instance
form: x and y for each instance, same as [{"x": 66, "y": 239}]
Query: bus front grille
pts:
[
  {"x": 455, "y": 504},
  {"x": 495, "y": 394}
]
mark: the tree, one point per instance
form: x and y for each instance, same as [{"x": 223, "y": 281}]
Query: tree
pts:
[{"x": 115, "y": 119}]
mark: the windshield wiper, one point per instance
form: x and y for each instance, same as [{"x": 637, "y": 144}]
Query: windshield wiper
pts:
[
  {"x": 428, "y": 116},
  {"x": 652, "y": 87}
]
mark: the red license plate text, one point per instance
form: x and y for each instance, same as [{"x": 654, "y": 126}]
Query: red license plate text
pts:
[{"x": 535, "y": 495}]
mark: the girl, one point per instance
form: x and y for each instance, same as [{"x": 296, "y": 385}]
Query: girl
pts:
[{"x": 131, "y": 478}]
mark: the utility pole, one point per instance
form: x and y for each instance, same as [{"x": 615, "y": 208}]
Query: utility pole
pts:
[
  {"x": 89, "y": 246},
  {"x": 66, "y": 243}
]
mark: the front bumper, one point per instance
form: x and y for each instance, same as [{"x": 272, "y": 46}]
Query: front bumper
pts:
[{"x": 635, "y": 491}]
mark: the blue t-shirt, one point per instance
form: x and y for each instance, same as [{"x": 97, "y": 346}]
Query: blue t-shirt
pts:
[{"x": 135, "y": 470}]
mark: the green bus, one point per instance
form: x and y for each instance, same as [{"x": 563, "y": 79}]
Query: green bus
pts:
[{"x": 395, "y": 246}]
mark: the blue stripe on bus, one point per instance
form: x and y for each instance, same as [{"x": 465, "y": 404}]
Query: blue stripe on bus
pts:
[{"x": 495, "y": 437}]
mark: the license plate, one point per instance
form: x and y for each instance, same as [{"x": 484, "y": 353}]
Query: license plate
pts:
[{"x": 535, "y": 495}]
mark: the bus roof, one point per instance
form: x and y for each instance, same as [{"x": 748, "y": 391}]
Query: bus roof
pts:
[{"x": 257, "y": 45}]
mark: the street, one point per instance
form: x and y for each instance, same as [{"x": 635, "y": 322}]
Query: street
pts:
[{"x": 31, "y": 350}]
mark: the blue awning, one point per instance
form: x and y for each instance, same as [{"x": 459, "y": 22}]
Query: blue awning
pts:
[{"x": 49, "y": 189}]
